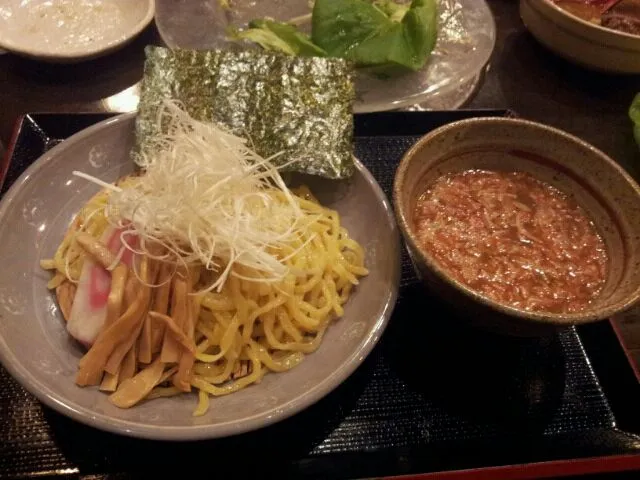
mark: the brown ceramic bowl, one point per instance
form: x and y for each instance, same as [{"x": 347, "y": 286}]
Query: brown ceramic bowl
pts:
[
  {"x": 596, "y": 182},
  {"x": 579, "y": 41}
]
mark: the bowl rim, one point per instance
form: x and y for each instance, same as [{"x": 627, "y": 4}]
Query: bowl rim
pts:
[
  {"x": 586, "y": 24},
  {"x": 407, "y": 230},
  {"x": 9, "y": 44},
  {"x": 131, "y": 428}
]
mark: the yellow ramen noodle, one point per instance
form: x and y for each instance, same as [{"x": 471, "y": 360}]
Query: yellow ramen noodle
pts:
[{"x": 163, "y": 338}]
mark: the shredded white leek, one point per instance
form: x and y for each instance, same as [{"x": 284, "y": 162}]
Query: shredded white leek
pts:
[{"x": 207, "y": 197}]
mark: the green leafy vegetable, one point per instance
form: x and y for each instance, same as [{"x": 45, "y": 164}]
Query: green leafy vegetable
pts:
[
  {"x": 383, "y": 36},
  {"x": 634, "y": 113},
  {"x": 362, "y": 32},
  {"x": 282, "y": 37},
  {"x": 395, "y": 11}
]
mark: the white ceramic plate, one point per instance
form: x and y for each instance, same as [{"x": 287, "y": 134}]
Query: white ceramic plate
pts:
[
  {"x": 36, "y": 349},
  {"x": 465, "y": 42},
  {"x": 67, "y": 31}
]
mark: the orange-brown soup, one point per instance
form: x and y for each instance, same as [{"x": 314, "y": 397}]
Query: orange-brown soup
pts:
[
  {"x": 587, "y": 11},
  {"x": 514, "y": 239}
]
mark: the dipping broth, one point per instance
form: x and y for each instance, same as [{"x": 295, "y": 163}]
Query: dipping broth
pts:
[{"x": 514, "y": 239}]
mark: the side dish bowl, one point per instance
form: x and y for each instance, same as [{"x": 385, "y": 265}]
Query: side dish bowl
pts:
[
  {"x": 580, "y": 41},
  {"x": 602, "y": 188},
  {"x": 68, "y": 31}
]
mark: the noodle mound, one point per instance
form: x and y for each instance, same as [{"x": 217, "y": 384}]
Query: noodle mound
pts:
[{"x": 166, "y": 332}]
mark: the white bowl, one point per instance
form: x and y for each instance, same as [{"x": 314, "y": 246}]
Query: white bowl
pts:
[
  {"x": 67, "y": 31},
  {"x": 580, "y": 41}
]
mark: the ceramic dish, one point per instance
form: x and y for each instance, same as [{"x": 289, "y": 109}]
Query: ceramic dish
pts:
[
  {"x": 580, "y": 41},
  {"x": 67, "y": 31},
  {"x": 609, "y": 195},
  {"x": 38, "y": 352},
  {"x": 466, "y": 39}
]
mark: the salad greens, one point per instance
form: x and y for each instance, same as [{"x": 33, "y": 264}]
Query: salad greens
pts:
[
  {"x": 395, "y": 11},
  {"x": 634, "y": 113},
  {"x": 383, "y": 36},
  {"x": 282, "y": 37}
]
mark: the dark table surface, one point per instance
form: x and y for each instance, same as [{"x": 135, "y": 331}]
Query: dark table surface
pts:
[{"x": 522, "y": 76}]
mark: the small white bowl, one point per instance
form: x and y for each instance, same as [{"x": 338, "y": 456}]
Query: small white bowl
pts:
[
  {"x": 68, "y": 31},
  {"x": 580, "y": 41}
]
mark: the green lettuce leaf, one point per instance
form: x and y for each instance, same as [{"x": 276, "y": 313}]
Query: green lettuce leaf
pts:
[
  {"x": 634, "y": 114},
  {"x": 280, "y": 37},
  {"x": 362, "y": 32},
  {"x": 395, "y": 11},
  {"x": 383, "y": 37}
]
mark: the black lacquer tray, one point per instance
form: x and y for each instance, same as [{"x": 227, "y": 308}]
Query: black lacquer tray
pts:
[{"x": 434, "y": 400}]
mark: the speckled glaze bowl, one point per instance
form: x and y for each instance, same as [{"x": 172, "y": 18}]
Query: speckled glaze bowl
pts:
[
  {"x": 596, "y": 182},
  {"x": 580, "y": 41}
]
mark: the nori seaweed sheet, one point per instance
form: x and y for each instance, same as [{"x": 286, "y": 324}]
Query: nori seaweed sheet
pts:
[{"x": 299, "y": 106}]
